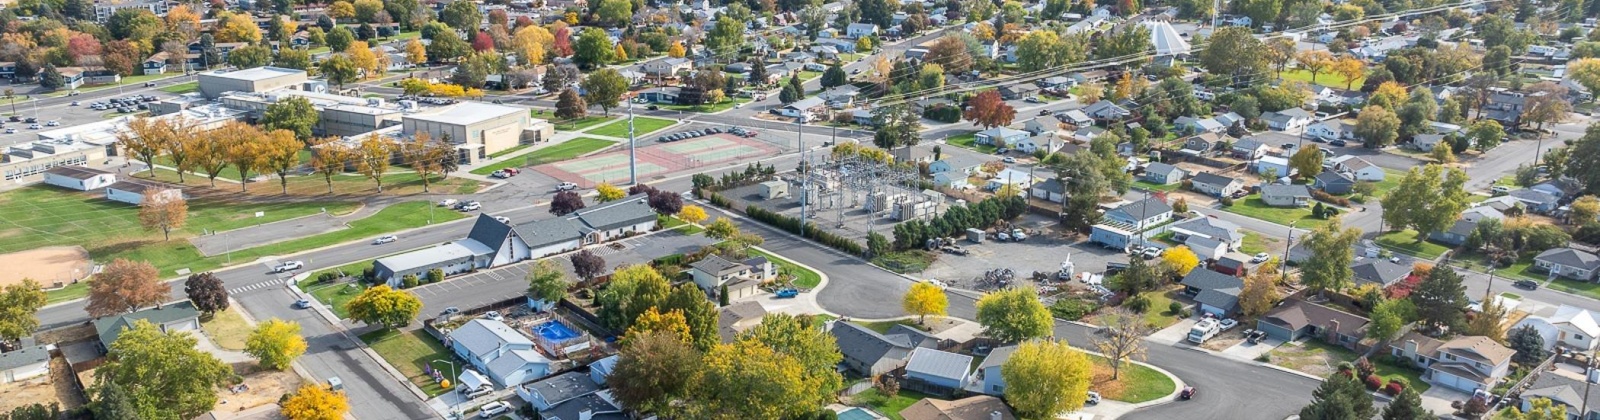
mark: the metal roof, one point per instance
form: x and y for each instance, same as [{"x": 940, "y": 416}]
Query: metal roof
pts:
[
  {"x": 939, "y": 363},
  {"x": 481, "y": 336}
]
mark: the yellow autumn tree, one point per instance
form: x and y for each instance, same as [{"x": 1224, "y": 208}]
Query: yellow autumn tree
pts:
[
  {"x": 1180, "y": 260},
  {"x": 315, "y": 402},
  {"x": 276, "y": 343},
  {"x": 692, "y": 214},
  {"x": 676, "y": 50},
  {"x": 531, "y": 42},
  {"x": 924, "y": 299},
  {"x": 364, "y": 58},
  {"x": 416, "y": 53},
  {"x": 608, "y": 192},
  {"x": 1044, "y": 378},
  {"x": 673, "y": 323}
]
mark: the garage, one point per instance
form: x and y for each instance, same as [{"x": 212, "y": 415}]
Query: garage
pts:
[
  {"x": 1278, "y": 332},
  {"x": 1453, "y": 377}
]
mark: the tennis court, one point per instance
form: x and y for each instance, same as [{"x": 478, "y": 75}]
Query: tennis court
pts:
[{"x": 657, "y": 159}]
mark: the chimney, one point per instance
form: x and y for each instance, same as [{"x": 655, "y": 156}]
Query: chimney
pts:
[
  {"x": 1411, "y": 348},
  {"x": 1333, "y": 332},
  {"x": 586, "y": 414}
]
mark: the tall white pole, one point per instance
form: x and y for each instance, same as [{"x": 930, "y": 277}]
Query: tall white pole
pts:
[{"x": 633, "y": 157}]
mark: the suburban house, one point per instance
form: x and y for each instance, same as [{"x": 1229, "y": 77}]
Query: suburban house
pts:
[
  {"x": 921, "y": 153},
  {"x": 952, "y": 179},
  {"x": 960, "y": 160},
  {"x": 1040, "y": 125},
  {"x": 1106, "y": 110},
  {"x": 840, "y": 97},
  {"x": 741, "y": 280},
  {"x": 1573, "y": 393},
  {"x": 1378, "y": 271},
  {"x": 661, "y": 95},
  {"x": 1214, "y": 185},
  {"x": 79, "y": 178},
  {"x": 1146, "y": 212},
  {"x": 868, "y": 353},
  {"x": 557, "y": 389},
  {"x": 1019, "y": 179},
  {"x": 1279, "y": 195},
  {"x": 1426, "y": 142},
  {"x": 1480, "y": 212},
  {"x": 935, "y": 371},
  {"x": 978, "y": 407},
  {"x": 1296, "y": 319},
  {"x": 1464, "y": 363},
  {"x": 1456, "y": 234},
  {"x": 738, "y": 317},
  {"x": 804, "y": 108},
  {"x": 601, "y": 369},
  {"x": 1505, "y": 107},
  {"x": 1162, "y": 174},
  {"x": 1018, "y": 91},
  {"x": 132, "y": 191},
  {"x": 1217, "y": 293},
  {"x": 1273, "y": 167},
  {"x": 1203, "y": 145},
  {"x": 497, "y": 350},
  {"x": 1332, "y": 130},
  {"x": 1291, "y": 119},
  {"x": 1568, "y": 327},
  {"x": 1210, "y": 228},
  {"x": 1567, "y": 262},
  {"x": 492, "y": 243},
  {"x": 1051, "y": 189},
  {"x": 1206, "y": 248},
  {"x": 1358, "y": 168},
  {"x": 1000, "y": 136},
  {"x": 1194, "y": 125},
  {"x": 1076, "y": 117},
  {"x": 157, "y": 63},
  {"x": 988, "y": 372},
  {"x": 25, "y": 363},
  {"x": 858, "y": 30},
  {"x": 1535, "y": 201},
  {"x": 1334, "y": 183},
  {"x": 572, "y": 395},
  {"x": 180, "y": 316},
  {"x": 1249, "y": 149}
]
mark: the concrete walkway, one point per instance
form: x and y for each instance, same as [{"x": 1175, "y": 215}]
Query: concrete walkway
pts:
[{"x": 217, "y": 243}]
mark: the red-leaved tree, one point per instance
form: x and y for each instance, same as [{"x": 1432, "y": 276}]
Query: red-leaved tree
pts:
[{"x": 988, "y": 110}]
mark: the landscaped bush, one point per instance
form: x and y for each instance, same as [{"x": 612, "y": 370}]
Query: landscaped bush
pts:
[
  {"x": 674, "y": 259},
  {"x": 1364, "y": 367},
  {"x": 943, "y": 113},
  {"x": 328, "y": 277},
  {"x": 809, "y": 230},
  {"x": 1137, "y": 303},
  {"x": 369, "y": 275},
  {"x": 1175, "y": 308},
  {"x": 1323, "y": 196},
  {"x": 409, "y": 281},
  {"x": 1226, "y": 201},
  {"x": 435, "y": 275},
  {"x": 1394, "y": 387},
  {"x": 1374, "y": 382},
  {"x": 1073, "y": 309}
]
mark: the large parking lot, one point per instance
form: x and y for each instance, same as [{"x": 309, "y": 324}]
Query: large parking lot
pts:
[{"x": 498, "y": 284}]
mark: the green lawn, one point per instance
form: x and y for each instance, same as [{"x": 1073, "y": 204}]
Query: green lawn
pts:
[
  {"x": 1254, "y": 207},
  {"x": 409, "y": 352},
  {"x": 351, "y": 269},
  {"x": 1506, "y": 181},
  {"x": 336, "y": 295},
  {"x": 582, "y": 123},
  {"x": 1509, "y": 295},
  {"x": 908, "y": 261},
  {"x": 641, "y": 127},
  {"x": 970, "y": 141},
  {"x": 888, "y": 406},
  {"x": 1390, "y": 180},
  {"x": 130, "y": 82},
  {"x": 1323, "y": 78},
  {"x": 407, "y": 215},
  {"x": 882, "y": 327},
  {"x": 227, "y": 329},
  {"x": 803, "y": 278},
  {"x": 72, "y": 291},
  {"x": 1155, "y": 187},
  {"x": 1135, "y": 384},
  {"x": 1254, "y": 243},
  {"x": 1590, "y": 290},
  {"x": 725, "y": 105},
  {"x": 39, "y": 216},
  {"x": 556, "y": 153},
  {"x": 1158, "y": 315},
  {"x": 1331, "y": 356},
  {"x": 807, "y": 75},
  {"x": 182, "y": 88},
  {"x": 513, "y": 149},
  {"x": 1406, "y": 241}
]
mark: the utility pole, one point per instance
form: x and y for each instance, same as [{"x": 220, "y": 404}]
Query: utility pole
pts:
[
  {"x": 633, "y": 157},
  {"x": 1283, "y": 266}
]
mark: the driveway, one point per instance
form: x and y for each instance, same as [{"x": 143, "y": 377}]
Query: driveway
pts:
[{"x": 1249, "y": 352}]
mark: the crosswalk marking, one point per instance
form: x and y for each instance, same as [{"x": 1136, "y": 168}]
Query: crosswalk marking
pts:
[{"x": 257, "y": 286}]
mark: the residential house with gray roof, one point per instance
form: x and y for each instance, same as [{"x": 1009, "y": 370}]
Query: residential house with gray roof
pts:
[
  {"x": 936, "y": 371},
  {"x": 988, "y": 373},
  {"x": 1217, "y": 293},
  {"x": 1379, "y": 271},
  {"x": 1215, "y": 185},
  {"x": 498, "y": 351},
  {"x": 1295, "y": 319},
  {"x": 25, "y": 363},
  {"x": 179, "y": 316},
  {"x": 868, "y": 353},
  {"x": 1147, "y": 212},
  {"x": 1208, "y": 227},
  {"x": 1568, "y": 262},
  {"x": 1456, "y": 234},
  {"x": 1562, "y": 390},
  {"x": 1464, "y": 363},
  {"x": 1279, "y": 195},
  {"x": 1162, "y": 174}
]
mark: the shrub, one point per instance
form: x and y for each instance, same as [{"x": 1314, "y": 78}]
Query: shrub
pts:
[
  {"x": 435, "y": 275},
  {"x": 1137, "y": 303},
  {"x": 1323, "y": 196},
  {"x": 1394, "y": 387},
  {"x": 409, "y": 281},
  {"x": 328, "y": 277},
  {"x": 1373, "y": 382},
  {"x": 1475, "y": 407},
  {"x": 1346, "y": 367},
  {"x": 1175, "y": 308},
  {"x": 1226, "y": 201},
  {"x": 369, "y": 275},
  {"x": 1364, "y": 367},
  {"x": 1073, "y": 309}
]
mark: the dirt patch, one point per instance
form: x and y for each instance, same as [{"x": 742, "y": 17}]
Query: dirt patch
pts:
[
  {"x": 54, "y": 266},
  {"x": 1310, "y": 359},
  {"x": 260, "y": 387},
  {"x": 1224, "y": 340},
  {"x": 1102, "y": 383},
  {"x": 68, "y": 334}
]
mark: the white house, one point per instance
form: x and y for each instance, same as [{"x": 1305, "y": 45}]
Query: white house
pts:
[
  {"x": 1050, "y": 190},
  {"x": 1569, "y": 327},
  {"x": 25, "y": 363},
  {"x": 79, "y": 178},
  {"x": 1146, "y": 212},
  {"x": 938, "y": 369},
  {"x": 1277, "y": 166},
  {"x": 1331, "y": 130},
  {"x": 1000, "y": 136},
  {"x": 497, "y": 350},
  {"x": 1009, "y": 176},
  {"x": 1358, "y": 168},
  {"x": 858, "y": 30},
  {"x": 132, "y": 191},
  {"x": 1464, "y": 363},
  {"x": 1568, "y": 262},
  {"x": 1287, "y": 120},
  {"x": 713, "y": 273},
  {"x": 1426, "y": 142}
]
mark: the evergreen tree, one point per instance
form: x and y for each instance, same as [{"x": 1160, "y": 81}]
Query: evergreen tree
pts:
[
  {"x": 51, "y": 78},
  {"x": 1407, "y": 406},
  {"x": 1340, "y": 397},
  {"x": 834, "y": 76}
]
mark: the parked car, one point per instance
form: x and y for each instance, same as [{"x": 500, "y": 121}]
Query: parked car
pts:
[
  {"x": 1228, "y": 324},
  {"x": 1188, "y": 392},
  {"x": 302, "y": 304},
  {"x": 566, "y": 186},
  {"x": 1044, "y": 112},
  {"x": 288, "y": 266},
  {"x": 448, "y": 202},
  {"x": 385, "y": 239},
  {"x": 1150, "y": 253},
  {"x": 512, "y": 171},
  {"x": 34, "y": 127},
  {"x": 1094, "y": 398},
  {"x": 74, "y": 103},
  {"x": 499, "y": 174},
  {"x": 1009, "y": 159},
  {"x": 652, "y": 107},
  {"x": 1500, "y": 190},
  {"x": 493, "y": 316},
  {"x": 1260, "y": 257},
  {"x": 450, "y": 311},
  {"x": 1526, "y": 284},
  {"x": 52, "y": 123},
  {"x": 11, "y": 131},
  {"x": 470, "y": 206},
  {"x": 787, "y": 293},
  {"x": 1337, "y": 143},
  {"x": 494, "y": 409}
]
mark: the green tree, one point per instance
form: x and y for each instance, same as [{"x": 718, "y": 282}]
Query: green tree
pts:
[
  {"x": 725, "y": 37},
  {"x": 593, "y": 49},
  {"x": 721, "y": 228},
  {"x": 51, "y": 78},
  {"x": 1528, "y": 344},
  {"x": 804, "y": 339},
  {"x": 1340, "y": 397},
  {"x": 112, "y": 401},
  {"x": 604, "y": 88},
  {"x": 1117, "y": 44},
  {"x": 276, "y": 343},
  {"x": 834, "y": 76},
  {"x": 1377, "y": 127},
  {"x": 162, "y": 373},
  {"x": 1486, "y": 133},
  {"x": 615, "y": 12},
  {"x": 463, "y": 17},
  {"x": 1014, "y": 315},
  {"x": 632, "y": 290},
  {"x": 1407, "y": 406},
  {"x": 340, "y": 38},
  {"x": 653, "y": 370},
  {"x": 1427, "y": 199},
  {"x": 1418, "y": 111},
  {"x": 1332, "y": 249},
  {"x": 1039, "y": 50},
  {"x": 447, "y": 47},
  {"x": 1582, "y": 160},
  {"x": 1045, "y": 378},
  {"x": 1234, "y": 52},
  {"x": 19, "y": 306},
  {"x": 898, "y": 126},
  {"x": 748, "y": 380},
  {"x": 699, "y": 313},
  {"x": 547, "y": 282},
  {"x": 250, "y": 56},
  {"x": 294, "y": 114},
  {"x": 339, "y": 70},
  {"x": 1441, "y": 300},
  {"x": 293, "y": 58},
  {"x": 384, "y": 306},
  {"x": 1388, "y": 317},
  {"x": 1307, "y": 161}
]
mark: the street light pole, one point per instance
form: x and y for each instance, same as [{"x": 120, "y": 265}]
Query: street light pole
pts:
[{"x": 456, "y": 408}]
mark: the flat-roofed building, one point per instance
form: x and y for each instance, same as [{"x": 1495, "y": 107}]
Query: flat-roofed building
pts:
[
  {"x": 479, "y": 128},
  {"x": 259, "y": 79},
  {"x": 338, "y": 115}
]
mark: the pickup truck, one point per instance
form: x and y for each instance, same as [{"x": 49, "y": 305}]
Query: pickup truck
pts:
[{"x": 787, "y": 293}]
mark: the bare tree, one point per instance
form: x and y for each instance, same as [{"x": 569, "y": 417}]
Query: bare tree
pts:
[
  {"x": 159, "y": 210},
  {"x": 1122, "y": 338}
]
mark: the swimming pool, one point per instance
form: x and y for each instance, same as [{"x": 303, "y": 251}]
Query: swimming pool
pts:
[{"x": 555, "y": 331}]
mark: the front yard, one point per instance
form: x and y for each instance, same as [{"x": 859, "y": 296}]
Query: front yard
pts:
[
  {"x": 1136, "y": 383},
  {"x": 336, "y": 295},
  {"x": 1255, "y": 208},
  {"x": 1320, "y": 359},
  {"x": 1323, "y": 78},
  {"x": 409, "y": 352},
  {"x": 583, "y": 123},
  {"x": 888, "y": 406},
  {"x": 1254, "y": 243},
  {"x": 970, "y": 141},
  {"x": 803, "y": 278},
  {"x": 1142, "y": 184},
  {"x": 1407, "y": 242},
  {"x": 227, "y": 329}
]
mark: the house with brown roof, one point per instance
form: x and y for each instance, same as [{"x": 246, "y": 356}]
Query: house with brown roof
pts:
[
  {"x": 738, "y": 317},
  {"x": 982, "y": 407},
  {"x": 1465, "y": 363},
  {"x": 1296, "y": 319}
]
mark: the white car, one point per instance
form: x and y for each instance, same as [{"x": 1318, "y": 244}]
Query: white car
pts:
[
  {"x": 385, "y": 239},
  {"x": 1009, "y": 159},
  {"x": 1260, "y": 258},
  {"x": 52, "y": 123},
  {"x": 470, "y": 206},
  {"x": 566, "y": 186},
  {"x": 288, "y": 266},
  {"x": 493, "y": 316},
  {"x": 1500, "y": 190},
  {"x": 1094, "y": 398},
  {"x": 1228, "y": 324},
  {"x": 448, "y": 202},
  {"x": 494, "y": 409},
  {"x": 936, "y": 283},
  {"x": 503, "y": 219}
]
